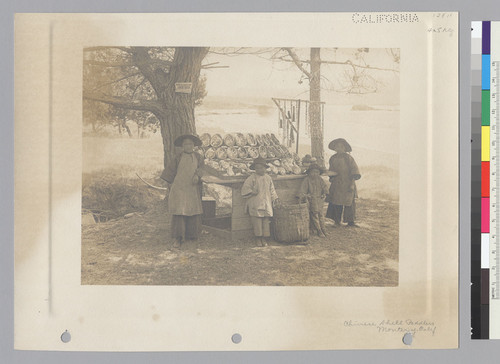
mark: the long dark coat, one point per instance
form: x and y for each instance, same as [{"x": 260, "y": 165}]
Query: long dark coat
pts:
[{"x": 343, "y": 186}]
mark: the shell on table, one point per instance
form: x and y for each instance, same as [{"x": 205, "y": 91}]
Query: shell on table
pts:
[
  {"x": 263, "y": 151},
  {"x": 240, "y": 140},
  {"x": 224, "y": 164},
  {"x": 221, "y": 152},
  {"x": 271, "y": 152},
  {"x": 273, "y": 169},
  {"x": 205, "y": 140},
  {"x": 253, "y": 152},
  {"x": 216, "y": 140},
  {"x": 251, "y": 140},
  {"x": 210, "y": 153},
  {"x": 240, "y": 168},
  {"x": 282, "y": 171},
  {"x": 276, "y": 151},
  {"x": 277, "y": 163},
  {"x": 212, "y": 163},
  {"x": 229, "y": 140},
  {"x": 288, "y": 167},
  {"x": 274, "y": 139},
  {"x": 284, "y": 151},
  {"x": 242, "y": 152},
  {"x": 296, "y": 170},
  {"x": 232, "y": 152}
]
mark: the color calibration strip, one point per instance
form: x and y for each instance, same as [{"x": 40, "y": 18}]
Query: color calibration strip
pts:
[
  {"x": 477, "y": 177},
  {"x": 485, "y": 177},
  {"x": 485, "y": 287}
]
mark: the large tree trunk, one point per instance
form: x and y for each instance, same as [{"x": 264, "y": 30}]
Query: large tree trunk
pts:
[
  {"x": 315, "y": 106},
  {"x": 178, "y": 116}
]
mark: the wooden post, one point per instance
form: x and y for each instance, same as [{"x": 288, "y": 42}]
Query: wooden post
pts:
[
  {"x": 298, "y": 126},
  {"x": 315, "y": 105}
]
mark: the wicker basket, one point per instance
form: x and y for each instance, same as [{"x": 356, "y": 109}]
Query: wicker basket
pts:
[{"x": 291, "y": 223}]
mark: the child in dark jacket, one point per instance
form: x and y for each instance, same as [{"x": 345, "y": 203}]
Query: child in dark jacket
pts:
[{"x": 314, "y": 189}]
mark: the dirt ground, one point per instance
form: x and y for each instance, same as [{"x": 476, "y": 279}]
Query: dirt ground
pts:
[{"x": 137, "y": 251}]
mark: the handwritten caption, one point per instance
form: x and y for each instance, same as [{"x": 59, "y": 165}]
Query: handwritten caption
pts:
[
  {"x": 396, "y": 326},
  {"x": 441, "y": 30}
]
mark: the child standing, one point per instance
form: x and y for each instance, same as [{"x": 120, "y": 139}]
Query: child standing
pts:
[
  {"x": 314, "y": 189},
  {"x": 184, "y": 198},
  {"x": 259, "y": 189},
  {"x": 343, "y": 191}
]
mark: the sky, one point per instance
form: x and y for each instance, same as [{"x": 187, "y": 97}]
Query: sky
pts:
[{"x": 257, "y": 76}]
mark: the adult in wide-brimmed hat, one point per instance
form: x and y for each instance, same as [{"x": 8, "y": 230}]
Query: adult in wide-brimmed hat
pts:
[
  {"x": 194, "y": 138},
  {"x": 258, "y": 160},
  {"x": 334, "y": 144},
  {"x": 343, "y": 173},
  {"x": 183, "y": 174}
]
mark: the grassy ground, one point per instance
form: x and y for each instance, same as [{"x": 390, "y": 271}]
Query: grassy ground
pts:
[{"x": 137, "y": 250}]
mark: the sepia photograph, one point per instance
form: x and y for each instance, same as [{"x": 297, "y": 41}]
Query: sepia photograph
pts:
[
  {"x": 288, "y": 179},
  {"x": 240, "y": 166}
]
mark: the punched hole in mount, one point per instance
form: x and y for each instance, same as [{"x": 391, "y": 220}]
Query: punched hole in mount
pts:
[
  {"x": 407, "y": 338},
  {"x": 66, "y": 337},
  {"x": 236, "y": 338}
]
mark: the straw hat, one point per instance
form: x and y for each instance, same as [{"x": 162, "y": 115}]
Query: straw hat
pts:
[
  {"x": 194, "y": 138},
  {"x": 333, "y": 144},
  {"x": 258, "y": 160},
  {"x": 314, "y": 166}
]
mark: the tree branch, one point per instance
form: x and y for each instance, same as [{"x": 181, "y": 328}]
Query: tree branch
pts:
[
  {"x": 298, "y": 62},
  {"x": 349, "y": 63},
  {"x": 346, "y": 63},
  {"x": 151, "y": 61},
  {"x": 101, "y": 48},
  {"x": 115, "y": 81},
  {"x": 139, "y": 85},
  {"x": 125, "y": 103}
]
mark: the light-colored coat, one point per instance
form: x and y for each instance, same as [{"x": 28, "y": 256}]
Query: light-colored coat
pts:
[
  {"x": 260, "y": 193},
  {"x": 184, "y": 197}
]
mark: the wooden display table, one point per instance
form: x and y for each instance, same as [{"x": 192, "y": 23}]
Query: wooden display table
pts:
[{"x": 238, "y": 225}]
